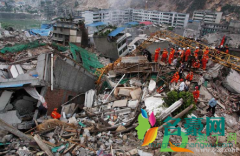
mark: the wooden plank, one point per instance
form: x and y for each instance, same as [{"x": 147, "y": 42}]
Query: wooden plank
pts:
[
  {"x": 42, "y": 145},
  {"x": 14, "y": 131}
]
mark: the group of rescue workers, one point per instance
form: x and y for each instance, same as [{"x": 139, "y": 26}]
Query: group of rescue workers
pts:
[
  {"x": 182, "y": 59},
  {"x": 195, "y": 59}
]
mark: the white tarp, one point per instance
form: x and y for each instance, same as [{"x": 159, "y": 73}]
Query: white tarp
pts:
[
  {"x": 152, "y": 85},
  {"x": 232, "y": 82},
  {"x": 154, "y": 104},
  {"x": 33, "y": 92},
  {"x": 89, "y": 98}
]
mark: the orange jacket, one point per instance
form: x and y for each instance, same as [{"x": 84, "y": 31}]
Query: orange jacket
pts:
[
  {"x": 176, "y": 76},
  {"x": 172, "y": 53},
  {"x": 196, "y": 64},
  {"x": 190, "y": 76},
  {"x": 196, "y": 94},
  {"x": 196, "y": 52},
  {"x": 206, "y": 52},
  {"x": 204, "y": 59},
  {"x": 182, "y": 53},
  {"x": 227, "y": 51},
  {"x": 188, "y": 52},
  {"x": 165, "y": 54}
]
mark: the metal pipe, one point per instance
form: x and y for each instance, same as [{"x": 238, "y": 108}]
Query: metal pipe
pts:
[
  {"x": 115, "y": 87},
  {"x": 52, "y": 71}
]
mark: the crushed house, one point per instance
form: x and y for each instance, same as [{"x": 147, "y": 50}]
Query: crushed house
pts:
[
  {"x": 27, "y": 83},
  {"x": 111, "y": 42}
]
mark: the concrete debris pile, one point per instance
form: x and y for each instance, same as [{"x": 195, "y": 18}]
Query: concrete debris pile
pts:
[
  {"x": 17, "y": 37},
  {"x": 49, "y": 95}
]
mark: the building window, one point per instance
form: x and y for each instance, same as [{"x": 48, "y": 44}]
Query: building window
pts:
[
  {"x": 60, "y": 36},
  {"x": 55, "y": 28}
]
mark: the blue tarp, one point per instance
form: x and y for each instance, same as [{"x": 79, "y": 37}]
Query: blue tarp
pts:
[
  {"x": 44, "y": 31},
  {"x": 14, "y": 85},
  {"x": 116, "y": 31},
  {"x": 132, "y": 23},
  {"x": 46, "y": 26},
  {"x": 96, "y": 24},
  {"x": 41, "y": 32}
]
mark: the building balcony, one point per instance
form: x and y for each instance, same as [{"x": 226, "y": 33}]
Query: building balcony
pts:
[{"x": 123, "y": 46}]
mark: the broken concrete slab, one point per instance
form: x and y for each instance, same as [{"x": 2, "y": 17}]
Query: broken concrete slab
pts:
[
  {"x": 136, "y": 94},
  {"x": 120, "y": 103},
  {"x": 4, "y": 99},
  {"x": 124, "y": 92},
  {"x": 10, "y": 117},
  {"x": 133, "y": 104}
]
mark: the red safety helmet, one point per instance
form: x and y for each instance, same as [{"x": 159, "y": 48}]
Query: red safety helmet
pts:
[{"x": 196, "y": 87}]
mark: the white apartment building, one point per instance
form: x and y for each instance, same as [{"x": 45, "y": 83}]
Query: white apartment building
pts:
[
  {"x": 93, "y": 16},
  {"x": 171, "y": 18},
  {"x": 120, "y": 16},
  {"x": 128, "y": 15},
  {"x": 207, "y": 16}
]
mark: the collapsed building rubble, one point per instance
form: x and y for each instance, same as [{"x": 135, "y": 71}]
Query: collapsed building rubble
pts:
[{"x": 84, "y": 119}]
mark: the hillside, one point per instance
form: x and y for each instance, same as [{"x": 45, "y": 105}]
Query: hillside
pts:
[
  {"x": 165, "y": 5},
  {"x": 186, "y": 6},
  {"x": 229, "y": 7}
]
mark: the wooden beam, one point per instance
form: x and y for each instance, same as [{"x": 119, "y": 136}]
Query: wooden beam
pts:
[
  {"x": 42, "y": 145},
  {"x": 14, "y": 131}
]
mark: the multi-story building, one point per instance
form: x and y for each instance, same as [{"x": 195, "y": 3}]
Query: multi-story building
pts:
[
  {"x": 207, "y": 28},
  {"x": 207, "y": 16},
  {"x": 120, "y": 16},
  {"x": 96, "y": 15},
  {"x": 111, "y": 43},
  {"x": 116, "y": 17},
  {"x": 65, "y": 32},
  {"x": 171, "y": 18}
]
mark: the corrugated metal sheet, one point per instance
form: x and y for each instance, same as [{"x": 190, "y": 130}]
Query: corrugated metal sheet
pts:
[{"x": 116, "y": 31}]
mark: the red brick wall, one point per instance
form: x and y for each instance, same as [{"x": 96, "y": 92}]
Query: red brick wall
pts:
[{"x": 56, "y": 98}]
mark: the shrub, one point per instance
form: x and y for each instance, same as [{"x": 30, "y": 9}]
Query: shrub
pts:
[{"x": 174, "y": 96}]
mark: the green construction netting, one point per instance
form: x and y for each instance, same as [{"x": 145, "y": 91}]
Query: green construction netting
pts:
[
  {"x": 21, "y": 47},
  {"x": 58, "y": 47},
  {"x": 90, "y": 60}
]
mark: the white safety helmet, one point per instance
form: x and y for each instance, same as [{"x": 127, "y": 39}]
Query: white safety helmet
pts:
[
  {"x": 187, "y": 47},
  {"x": 179, "y": 48},
  {"x": 197, "y": 47},
  {"x": 184, "y": 49}
]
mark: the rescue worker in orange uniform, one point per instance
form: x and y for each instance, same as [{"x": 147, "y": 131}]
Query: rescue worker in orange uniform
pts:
[
  {"x": 206, "y": 51},
  {"x": 190, "y": 76},
  {"x": 196, "y": 52},
  {"x": 157, "y": 51},
  {"x": 196, "y": 94},
  {"x": 171, "y": 56},
  {"x": 175, "y": 78},
  {"x": 226, "y": 49},
  {"x": 187, "y": 54},
  {"x": 196, "y": 64},
  {"x": 164, "y": 56},
  {"x": 204, "y": 62}
]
